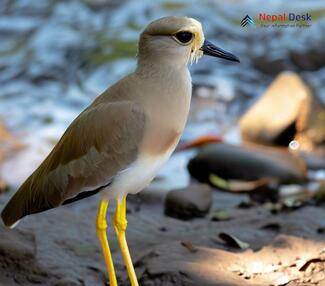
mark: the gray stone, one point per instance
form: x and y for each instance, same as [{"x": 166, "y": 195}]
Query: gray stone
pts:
[
  {"x": 187, "y": 203},
  {"x": 246, "y": 163}
]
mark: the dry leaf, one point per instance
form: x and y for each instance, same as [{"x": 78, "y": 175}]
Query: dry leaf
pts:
[
  {"x": 237, "y": 185},
  {"x": 220, "y": 215},
  {"x": 233, "y": 241},
  {"x": 218, "y": 182},
  {"x": 303, "y": 264},
  {"x": 271, "y": 226},
  {"x": 188, "y": 244},
  {"x": 283, "y": 280}
]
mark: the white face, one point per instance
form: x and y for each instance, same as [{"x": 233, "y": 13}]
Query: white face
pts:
[{"x": 178, "y": 48}]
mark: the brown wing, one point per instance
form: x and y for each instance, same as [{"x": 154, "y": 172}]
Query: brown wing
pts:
[{"x": 102, "y": 141}]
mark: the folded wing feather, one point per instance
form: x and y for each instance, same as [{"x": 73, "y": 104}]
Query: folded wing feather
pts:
[{"x": 100, "y": 142}]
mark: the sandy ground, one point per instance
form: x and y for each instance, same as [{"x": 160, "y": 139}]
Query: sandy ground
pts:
[{"x": 59, "y": 247}]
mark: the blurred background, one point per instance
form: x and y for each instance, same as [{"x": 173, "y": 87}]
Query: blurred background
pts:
[{"x": 264, "y": 116}]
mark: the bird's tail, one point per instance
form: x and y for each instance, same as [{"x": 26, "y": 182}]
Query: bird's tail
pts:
[
  {"x": 27, "y": 200},
  {"x": 11, "y": 214}
]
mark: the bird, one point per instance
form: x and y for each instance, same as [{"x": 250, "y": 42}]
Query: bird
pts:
[{"x": 116, "y": 146}]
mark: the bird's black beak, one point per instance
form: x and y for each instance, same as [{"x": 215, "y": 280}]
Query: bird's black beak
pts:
[{"x": 211, "y": 50}]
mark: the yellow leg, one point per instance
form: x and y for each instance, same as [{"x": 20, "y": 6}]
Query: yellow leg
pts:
[
  {"x": 120, "y": 224},
  {"x": 101, "y": 227}
]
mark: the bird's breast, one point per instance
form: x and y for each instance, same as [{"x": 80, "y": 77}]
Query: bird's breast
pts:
[
  {"x": 166, "y": 116},
  {"x": 157, "y": 144}
]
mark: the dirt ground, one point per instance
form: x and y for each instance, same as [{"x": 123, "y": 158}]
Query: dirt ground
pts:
[{"x": 60, "y": 247}]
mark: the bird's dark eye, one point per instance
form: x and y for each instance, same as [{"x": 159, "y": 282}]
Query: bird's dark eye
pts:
[{"x": 184, "y": 37}]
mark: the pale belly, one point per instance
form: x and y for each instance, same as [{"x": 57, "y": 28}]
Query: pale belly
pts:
[{"x": 137, "y": 176}]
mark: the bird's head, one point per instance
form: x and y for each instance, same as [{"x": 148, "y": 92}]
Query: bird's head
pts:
[{"x": 178, "y": 40}]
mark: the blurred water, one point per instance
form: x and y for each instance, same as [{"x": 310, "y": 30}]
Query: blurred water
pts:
[{"x": 56, "y": 56}]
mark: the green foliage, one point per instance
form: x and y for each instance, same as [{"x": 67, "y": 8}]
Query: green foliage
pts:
[
  {"x": 172, "y": 6},
  {"x": 110, "y": 48}
]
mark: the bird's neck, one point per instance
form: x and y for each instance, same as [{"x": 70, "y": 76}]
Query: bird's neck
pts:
[
  {"x": 160, "y": 67},
  {"x": 165, "y": 86}
]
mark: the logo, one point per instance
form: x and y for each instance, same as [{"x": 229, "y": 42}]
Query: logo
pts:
[
  {"x": 247, "y": 21},
  {"x": 285, "y": 17},
  {"x": 281, "y": 20}
]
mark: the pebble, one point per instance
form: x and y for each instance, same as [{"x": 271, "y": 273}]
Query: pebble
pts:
[{"x": 194, "y": 201}]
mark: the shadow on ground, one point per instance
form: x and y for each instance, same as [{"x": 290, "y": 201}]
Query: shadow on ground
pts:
[{"x": 59, "y": 247}]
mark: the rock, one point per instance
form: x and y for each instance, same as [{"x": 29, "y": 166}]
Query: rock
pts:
[
  {"x": 270, "y": 116},
  {"x": 269, "y": 66},
  {"x": 246, "y": 163},
  {"x": 287, "y": 111},
  {"x": 310, "y": 60},
  {"x": 187, "y": 203},
  {"x": 310, "y": 126}
]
